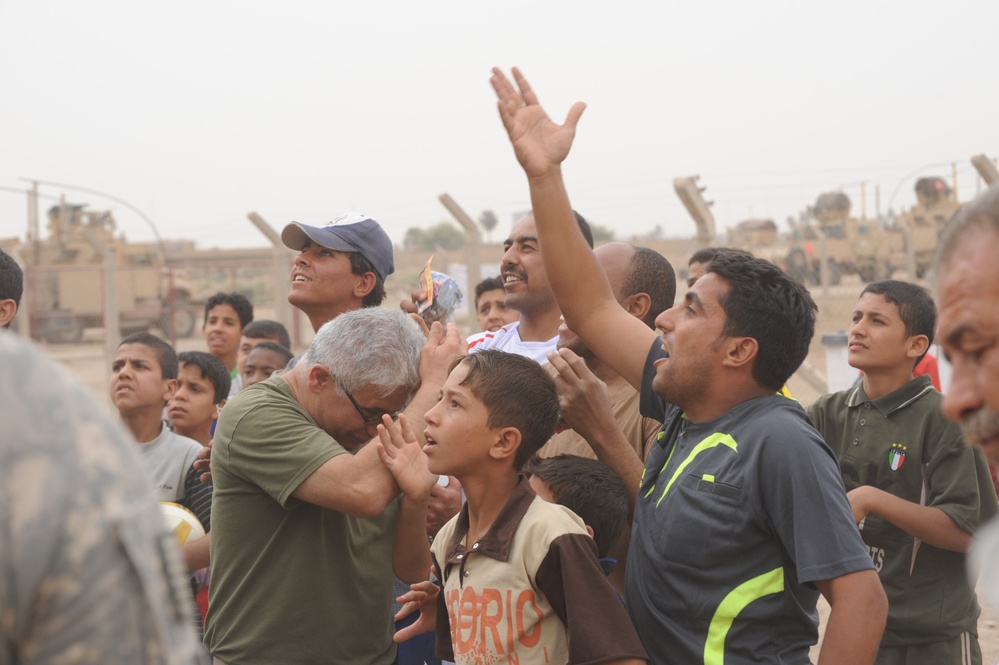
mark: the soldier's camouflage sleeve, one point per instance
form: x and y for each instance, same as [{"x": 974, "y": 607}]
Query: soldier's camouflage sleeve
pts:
[{"x": 88, "y": 571}]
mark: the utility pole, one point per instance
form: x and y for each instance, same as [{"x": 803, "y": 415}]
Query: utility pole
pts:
[
  {"x": 34, "y": 236},
  {"x": 986, "y": 168},
  {"x": 472, "y": 241},
  {"x": 279, "y": 275},
  {"x": 699, "y": 209}
]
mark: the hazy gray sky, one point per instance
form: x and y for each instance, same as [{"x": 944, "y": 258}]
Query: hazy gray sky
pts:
[{"x": 199, "y": 112}]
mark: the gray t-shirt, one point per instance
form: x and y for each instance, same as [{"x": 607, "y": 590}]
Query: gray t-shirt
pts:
[
  {"x": 84, "y": 549},
  {"x": 168, "y": 459},
  {"x": 734, "y": 519}
]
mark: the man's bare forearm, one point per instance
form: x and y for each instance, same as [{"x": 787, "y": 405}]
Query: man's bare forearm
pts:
[
  {"x": 411, "y": 551},
  {"x": 614, "y": 450},
  {"x": 856, "y": 620}
]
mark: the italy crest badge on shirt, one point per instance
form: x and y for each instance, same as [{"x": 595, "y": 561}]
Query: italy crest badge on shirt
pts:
[{"x": 896, "y": 456}]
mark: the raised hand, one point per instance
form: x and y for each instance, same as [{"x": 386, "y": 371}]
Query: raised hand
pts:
[
  {"x": 444, "y": 346},
  {"x": 401, "y": 452},
  {"x": 540, "y": 144},
  {"x": 583, "y": 398}
]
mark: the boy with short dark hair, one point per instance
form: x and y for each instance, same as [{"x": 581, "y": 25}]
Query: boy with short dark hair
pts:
[
  {"x": 225, "y": 316},
  {"x": 916, "y": 491},
  {"x": 255, "y": 332},
  {"x": 522, "y": 571},
  {"x": 490, "y": 305},
  {"x": 589, "y": 488},
  {"x": 143, "y": 379},
  {"x": 202, "y": 387},
  {"x": 263, "y": 360},
  {"x": 263, "y": 329}
]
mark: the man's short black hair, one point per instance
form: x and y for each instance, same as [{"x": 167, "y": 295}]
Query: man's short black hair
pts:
[
  {"x": 653, "y": 274},
  {"x": 212, "y": 369},
  {"x": 267, "y": 329},
  {"x": 588, "y": 488},
  {"x": 915, "y": 307},
  {"x": 11, "y": 279},
  {"x": 705, "y": 255},
  {"x": 766, "y": 304},
  {"x": 165, "y": 354},
  {"x": 239, "y": 302}
]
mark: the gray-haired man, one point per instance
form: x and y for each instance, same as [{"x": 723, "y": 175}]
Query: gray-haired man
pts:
[
  {"x": 307, "y": 525},
  {"x": 968, "y": 328}
]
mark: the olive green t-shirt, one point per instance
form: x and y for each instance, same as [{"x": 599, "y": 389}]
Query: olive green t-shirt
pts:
[{"x": 291, "y": 582}]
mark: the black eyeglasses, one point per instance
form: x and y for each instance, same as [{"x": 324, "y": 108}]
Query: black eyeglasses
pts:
[{"x": 368, "y": 419}]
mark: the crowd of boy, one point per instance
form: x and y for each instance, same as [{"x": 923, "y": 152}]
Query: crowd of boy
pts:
[{"x": 324, "y": 483}]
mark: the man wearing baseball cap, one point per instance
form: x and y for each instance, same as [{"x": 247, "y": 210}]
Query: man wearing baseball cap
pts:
[{"x": 341, "y": 266}]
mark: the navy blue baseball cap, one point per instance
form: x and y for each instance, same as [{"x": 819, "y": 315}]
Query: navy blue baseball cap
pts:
[{"x": 350, "y": 232}]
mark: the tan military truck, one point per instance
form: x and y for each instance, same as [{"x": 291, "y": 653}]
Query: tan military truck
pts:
[
  {"x": 917, "y": 230},
  {"x": 67, "y": 273},
  {"x": 850, "y": 245},
  {"x": 761, "y": 237}
]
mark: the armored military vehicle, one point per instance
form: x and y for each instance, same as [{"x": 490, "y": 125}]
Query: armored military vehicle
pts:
[
  {"x": 850, "y": 245},
  {"x": 67, "y": 284},
  {"x": 916, "y": 231}
]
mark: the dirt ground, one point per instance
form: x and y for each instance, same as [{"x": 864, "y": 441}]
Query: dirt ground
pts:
[{"x": 86, "y": 360}]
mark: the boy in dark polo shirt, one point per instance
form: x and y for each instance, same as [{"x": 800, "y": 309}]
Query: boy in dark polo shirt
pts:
[
  {"x": 520, "y": 578},
  {"x": 916, "y": 491}
]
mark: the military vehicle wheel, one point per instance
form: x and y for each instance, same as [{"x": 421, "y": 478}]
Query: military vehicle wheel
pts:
[
  {"x": 797, "y": 265},
  {"x": 834, "y": 274},
  {"x": 184, "y": 320},
  {"x": 68, "y": 332},
  {"x": 875, "y": 272},
  {"x": 133, "y": 330}
]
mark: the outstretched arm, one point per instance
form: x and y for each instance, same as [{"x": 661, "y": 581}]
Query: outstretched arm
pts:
[{"x": 580, "y": 286}]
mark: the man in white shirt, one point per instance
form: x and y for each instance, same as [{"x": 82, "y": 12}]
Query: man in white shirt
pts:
[{"x": 528, "y": 292}]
